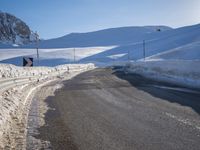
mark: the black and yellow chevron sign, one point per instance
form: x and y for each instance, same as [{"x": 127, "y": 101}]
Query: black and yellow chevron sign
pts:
[{"x": 27, "y": 62}]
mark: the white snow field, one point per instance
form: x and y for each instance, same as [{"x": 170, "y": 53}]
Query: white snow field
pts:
[
  {"x": 101, "y": 47},
  {"x": 49, "y": 57},
  {"x": 189, "y": 51},
  {"x": 107, "y": 37},
  {"x": 116, "y": 46},
  {"x": 17, "y": 86},
  {"x": 182, "y": 39}
]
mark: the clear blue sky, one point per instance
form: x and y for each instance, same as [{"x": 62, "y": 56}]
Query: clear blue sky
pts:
[{"x": 54, "y": 18}]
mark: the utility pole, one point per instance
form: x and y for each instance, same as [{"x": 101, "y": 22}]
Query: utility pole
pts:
[
  {"x": 37, "y": 47},
  {"x": 74, "y": 55},
  {"x": 128, "y": 55},
  {"x": 144, "y": 50}
]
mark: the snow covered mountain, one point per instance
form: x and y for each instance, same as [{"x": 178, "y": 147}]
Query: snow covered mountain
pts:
[
  {"x": 179, "y": 41},
  {"x": 14, "y": 31},
  {"x": 106, "y": 37}
]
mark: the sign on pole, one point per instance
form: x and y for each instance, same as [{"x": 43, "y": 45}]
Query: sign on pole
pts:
[{"x": 27, "y": 62}]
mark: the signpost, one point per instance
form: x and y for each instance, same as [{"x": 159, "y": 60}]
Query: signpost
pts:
[
  {"x": 128, "y": 55},
  {"x": 74, "y": 55},
  {"x": 27, "y": 61},
  {"x": 37, "y": 46},
  {"x": 144, "y": 53}
]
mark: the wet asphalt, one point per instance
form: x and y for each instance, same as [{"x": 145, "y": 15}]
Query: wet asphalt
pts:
[{"x": 104, "y": 109}]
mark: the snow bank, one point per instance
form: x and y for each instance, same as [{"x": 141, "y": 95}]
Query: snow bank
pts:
[
  {"x": 11, "y": 71},
  {"x": 182, "y": 72}
]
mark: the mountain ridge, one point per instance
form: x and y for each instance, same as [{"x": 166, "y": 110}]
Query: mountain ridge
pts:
[
  {"x": 14, "y": 31},
  {"x": 105, "y": 37}
]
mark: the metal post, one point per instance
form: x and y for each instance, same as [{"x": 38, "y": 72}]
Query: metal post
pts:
[
  {"x": 128, "y": 55},
  {"x": 37, "y": 47},
  {"x": 144, "y": 53},
  {"x": 74, "y": 55}
]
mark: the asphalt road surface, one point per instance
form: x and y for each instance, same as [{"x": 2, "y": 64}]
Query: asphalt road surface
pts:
[{"x": 107, "y": 110}]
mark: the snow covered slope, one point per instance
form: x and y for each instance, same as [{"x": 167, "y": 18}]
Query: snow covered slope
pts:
[
  {"x": 181, "y": 43},
  {"x": 174, "y": 58},
  {"x": 56, "y": 55},
  {"x": 107, "y": 37},
  {"x": 49, "y": 57},
  {"x": 184, "y": 39}
]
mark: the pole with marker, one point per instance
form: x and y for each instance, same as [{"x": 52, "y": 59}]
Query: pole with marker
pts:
[
  {"x": 128, "y": 55},
  {"x": 144, "y": 50},
  {"x": 74, "y": 55},
  {"x": 37, "y": 47}
]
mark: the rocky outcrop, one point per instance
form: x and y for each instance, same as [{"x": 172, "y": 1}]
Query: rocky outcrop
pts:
[{"x": 14, "y": 31}]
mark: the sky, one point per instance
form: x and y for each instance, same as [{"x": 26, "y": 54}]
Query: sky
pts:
[{"x": 55, "y": 18}]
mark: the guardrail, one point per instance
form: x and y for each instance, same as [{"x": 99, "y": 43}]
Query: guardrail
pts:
[{"x": 8, "y": 83}]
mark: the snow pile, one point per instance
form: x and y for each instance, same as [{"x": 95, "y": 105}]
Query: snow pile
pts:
[
  {"x": 182, "y": 72},
  {"x": 11, "y": 71}
]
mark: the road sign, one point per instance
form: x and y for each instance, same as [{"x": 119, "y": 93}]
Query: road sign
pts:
[{"x": 27, "y": 61}]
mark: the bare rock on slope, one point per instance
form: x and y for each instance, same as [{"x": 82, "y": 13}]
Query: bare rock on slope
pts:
[{"x": 13, "y": 30}]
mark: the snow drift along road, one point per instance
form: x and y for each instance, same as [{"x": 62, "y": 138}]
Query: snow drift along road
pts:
[{"x": 185, "y": 72}]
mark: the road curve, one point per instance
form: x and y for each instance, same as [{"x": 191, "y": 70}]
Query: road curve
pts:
[{"x": 107, "y": 110}]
